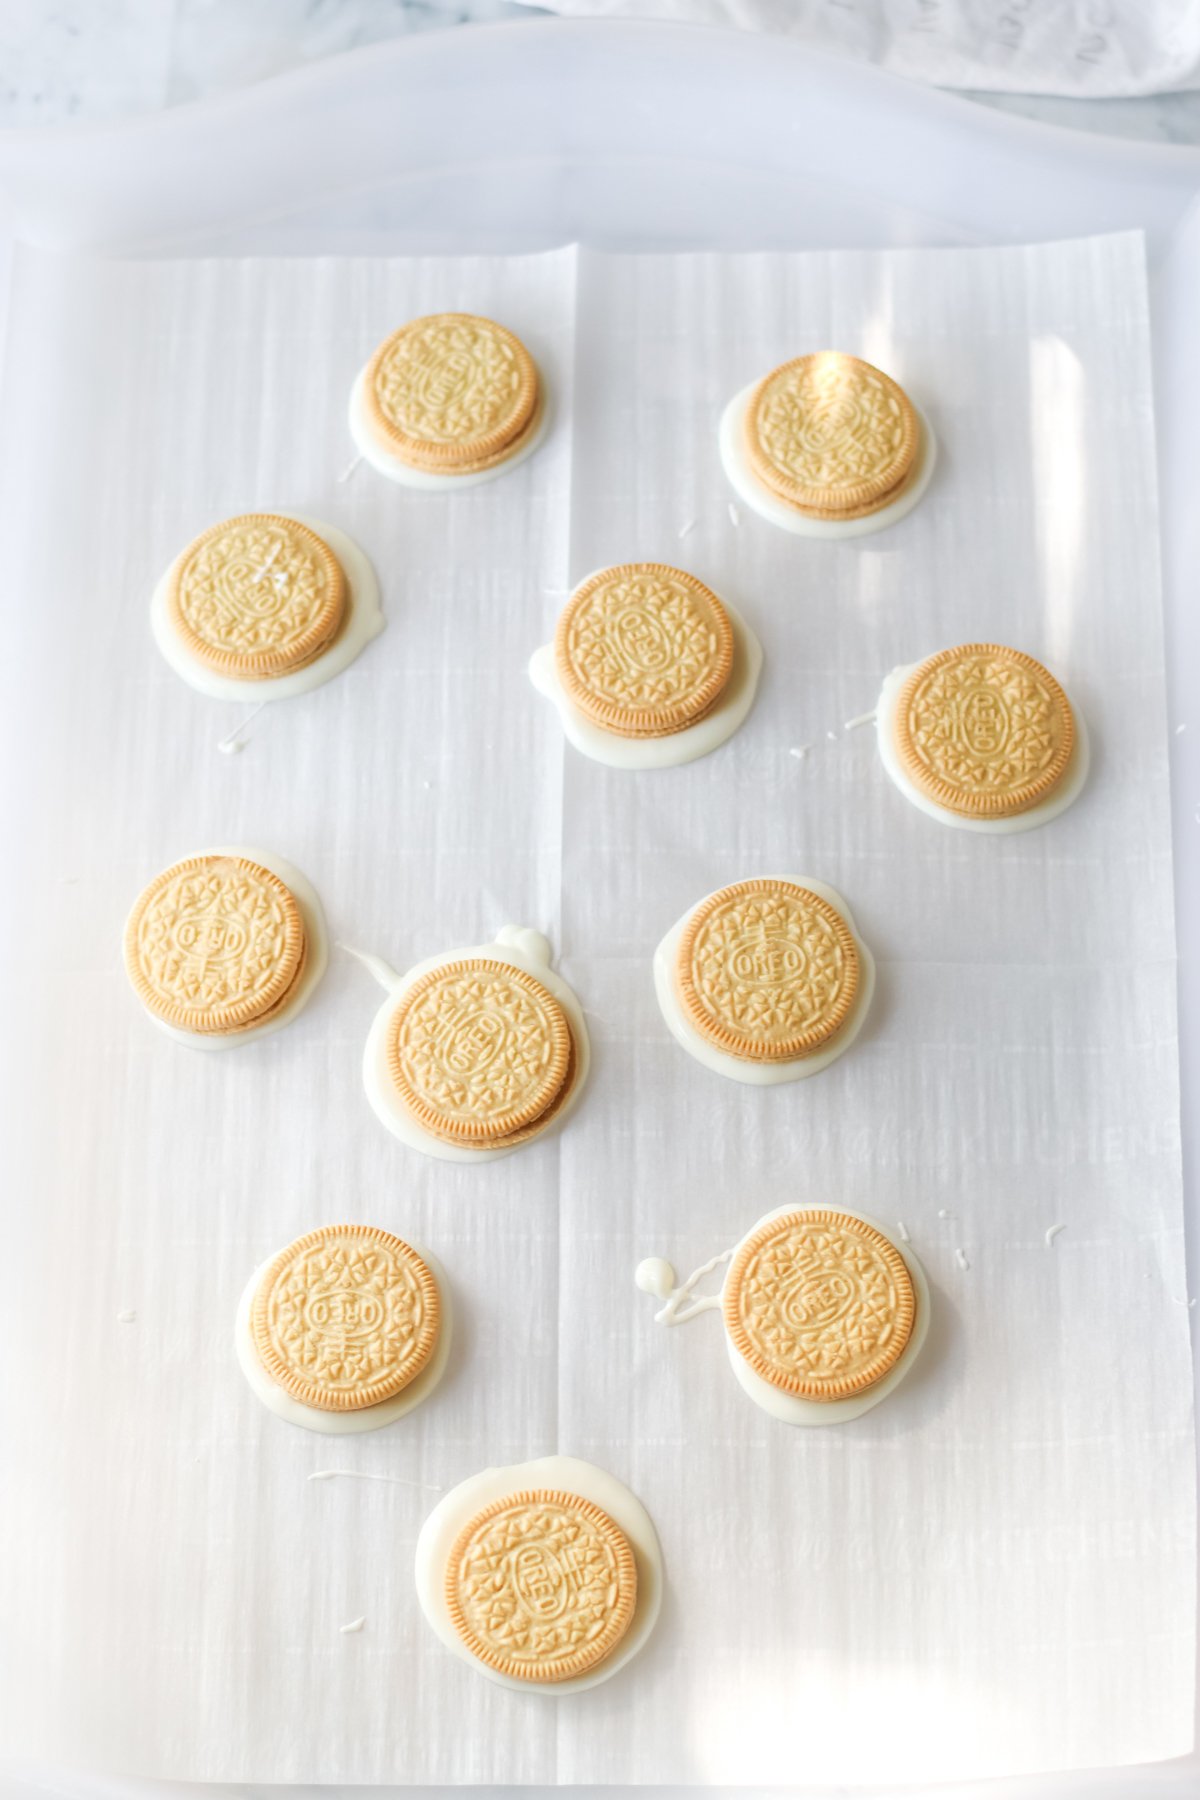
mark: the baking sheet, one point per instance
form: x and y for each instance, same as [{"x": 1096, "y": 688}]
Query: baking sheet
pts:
[{"x": 996, "y": 1568}]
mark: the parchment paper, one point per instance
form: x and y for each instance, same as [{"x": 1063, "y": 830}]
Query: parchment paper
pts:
[{"x": 994, "y": 1571}]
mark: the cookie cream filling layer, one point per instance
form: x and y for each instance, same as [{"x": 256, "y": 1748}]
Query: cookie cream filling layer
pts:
[
  {"x": 719, "y": 723},
  {"x": 366, "y": 1418},
  {"x": 750, "y": 489},
  {"x": 385, "y": 462},
  {"x": 456, "y": 1509},
  {"x": 1062, "y": 795},
  {"x": 317, "y": 943},
  {"x": 362, "y": 621},
  {"x": 524, "y": 949},
  {"x": 796, "y": 1411},
  {"x": 761, "y": 1074}
]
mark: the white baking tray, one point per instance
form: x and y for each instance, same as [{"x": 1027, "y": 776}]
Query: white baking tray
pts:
[{"x": 628, "y": 135}]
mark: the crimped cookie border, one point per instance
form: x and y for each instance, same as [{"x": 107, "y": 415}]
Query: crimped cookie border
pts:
[
  {"x": 806, "y": 1388},
  {"x": 860, "y": 498},
  {"x": 476, "y": 454},
  {"x": 735, "y": 1043},
  {"x": 991, "y": 805},
  {"x": 242, "y": 665},
  {"x": 602, "y": 1647},
  {"x": 642, "y": 723},
  {"x": 473, "y": 1134},
  {"x": 308, "y": 1392},
  {"x": 241, "y": 1015}
]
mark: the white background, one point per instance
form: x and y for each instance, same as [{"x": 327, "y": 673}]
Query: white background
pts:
[{"x": 998, "y": 1564}]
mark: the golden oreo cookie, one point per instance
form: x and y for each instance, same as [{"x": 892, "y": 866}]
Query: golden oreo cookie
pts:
[
  {"x": 257, "y": 596},
  {"x": 984, "y": 731},
  {"x": 452, "y": 393},
  {"x": 831, "y": 435},
  {"x": 819, "y": 1303},
  {"x": 215, "y": 944},
  {"x": 478, "y": 1050},
  {"x": 767, "y": 971},
  {"x": 643, "y": 650},
  {"x": 541, "y": 1585},
  {"x": 345, "y": 1317}
]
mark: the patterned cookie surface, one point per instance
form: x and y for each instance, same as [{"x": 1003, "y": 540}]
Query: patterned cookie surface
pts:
[
  {"x": 215, "y": 944},
  {"x": 477, "y": 1050},
  {"x": 345, "y": 1317},
  {"x": 643, "y": 650},
  {"x": 257, "y": 596},
  {"x": 767, "y": 971},
  {"x": 451, "y": 392},
  {"x": 819, "y": 1303},
  {"x": 541, "y": 1585},
  {"x": 984, "y": 731},
  {"x": 831, "y": 435}
]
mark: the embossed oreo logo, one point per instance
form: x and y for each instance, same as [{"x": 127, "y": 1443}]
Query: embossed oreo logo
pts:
[
  {"x": 828, "y": 421},
  {"x": 472, "y": 1042},
  {"x": 766, "y": 960},
  {"x": 539, "y": 1581},
  {"x": 816, "y": 1299},
  {"x": 641, "y": 640},
  {"x": 343, "y": 1312},
  {"x": 212, "y": 938},
  {"x": 442, "y": 377},
  {"x": 983, "y": 722}
]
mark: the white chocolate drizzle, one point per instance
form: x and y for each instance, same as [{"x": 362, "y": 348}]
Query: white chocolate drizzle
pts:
[
  {"x": 430, "y": 1487},
  {"x": 385, "y": 975},
  {"x": 656, "y": 1276},
  {"x": 234, "y": 741}
]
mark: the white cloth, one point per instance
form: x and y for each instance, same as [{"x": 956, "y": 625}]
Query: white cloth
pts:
[
  {"x": 1094, "y": 49},
  {"x": 992, "y": 1572}
]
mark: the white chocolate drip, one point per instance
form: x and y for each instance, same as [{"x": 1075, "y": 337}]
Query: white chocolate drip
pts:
[
  {"x": 383, "y": 972},
  {"x": 656, "y": 1276},
  {"x": 233, "y": 742},
  {"x": 363, "y": 1475}
]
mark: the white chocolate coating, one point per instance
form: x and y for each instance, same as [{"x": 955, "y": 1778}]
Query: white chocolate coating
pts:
[
  {"x": 761, "y": 1074},
  {"x": 791, "y": 1408},
  {"x": 655, "y": 1276},
  {"x": 777, "y": 512},
  {"x": 363, "y": 621},
  {"x": 448, "y": 1518},
  {"x": 367, "y": 1418},
  {"x": 1064, "y": 794},
  {"x": 707, "y": 734},
  {"x": 428, "y": 480},
  {"x": 524, "y": 949},
  {"x": 317, "y": 938}
]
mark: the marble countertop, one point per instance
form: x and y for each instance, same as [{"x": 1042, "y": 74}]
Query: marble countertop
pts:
[{"x": 68, "y": 60}]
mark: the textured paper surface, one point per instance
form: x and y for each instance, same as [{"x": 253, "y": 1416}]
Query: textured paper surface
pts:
[
  {"x": 1119, "y": 47},
  {"x": 995, "y": 1569}
]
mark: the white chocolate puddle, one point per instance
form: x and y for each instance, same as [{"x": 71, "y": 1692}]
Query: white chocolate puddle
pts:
[
  {"x": 385, "y": 463},
  {"x": 317, "y": 939},
  {"x": 1064, "y": 794},
  {"x": 367, "y": 1418},
  {"x": 363, "y": 621},
  {"x": 448, "y": 1518},
  {"x": 761, "y": 1074},
  {"x": 524, "y": 949},
  {"x": 656, "y": 1276},
  {"x": 717, "y": 726},
  {"x": 777, "y": 512}
]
